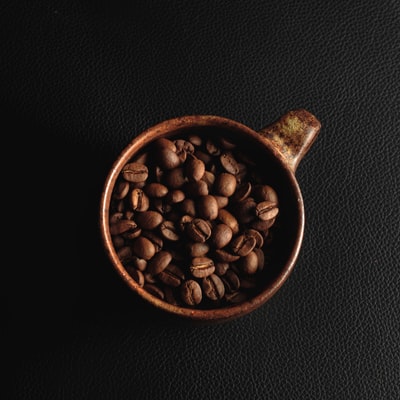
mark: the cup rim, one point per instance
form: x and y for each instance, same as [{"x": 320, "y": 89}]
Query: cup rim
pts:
[{"x": 167, "y": 128}]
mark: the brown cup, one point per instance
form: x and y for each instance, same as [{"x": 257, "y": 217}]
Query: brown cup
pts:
[{"x": 278, "y": 148}]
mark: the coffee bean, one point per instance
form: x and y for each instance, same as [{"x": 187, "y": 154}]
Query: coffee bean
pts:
[
  {"x": 174, "y": 178},
  {"x": 194, "y": 168},
  {"x": 136, "y": 275},
  {"x": 172, "y": 275},
  {"x": 156, "y": 240},
  {"x": 149, "y": 219},
  {"x": 243, "y": 244},
  {"x": 249, "y": 263},
  {"x": 168, "y": 231},
  {"x": 221, "y": 235},
  {"x": 207, "y": 207},
  {"x": 139, "y": 200},
  {"x": 213, "y": 287},
  {"x": 229, "y": 219},
  {"x": 135, "y": 172},
  {"x": 197, "y": 249},
  {"x": 231, "y": 281},
  {"x": 191, "y": 292},
  {"x": 155, "y": 189},
  {"x": 122, "y": 226},
  {"x": 125, "y": 254},
  {"x": 143, "y": 248},
  {"x": 159, "y": 262},
  {"x": 265, "y": 193},
  {"x": 154, "y": 290},
  {"x": 225, "y": 184},
  {"x": 229, "y": 163},
  {"x": 221, "y": 268},
  {"x": 201, "y": 267},
  {"x": 167, "y": 159},
  {"x": 198, "y": 230},
  {"x": 121, "y": 190},
  {"x": 267, "y": 210}
]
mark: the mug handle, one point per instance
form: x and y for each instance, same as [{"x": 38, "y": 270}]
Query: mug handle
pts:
[{"x": 292, "y": 135}]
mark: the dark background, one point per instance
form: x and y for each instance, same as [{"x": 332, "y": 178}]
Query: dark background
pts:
[{"x": 80, "y": 79}]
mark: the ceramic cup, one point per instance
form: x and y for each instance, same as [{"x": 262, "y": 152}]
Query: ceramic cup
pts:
[{"x": 277, "y": 149}]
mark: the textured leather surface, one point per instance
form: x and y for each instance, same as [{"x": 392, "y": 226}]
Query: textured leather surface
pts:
[{"x": 80, "y": 79}]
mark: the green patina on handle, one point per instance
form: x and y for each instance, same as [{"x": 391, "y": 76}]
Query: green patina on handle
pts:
[{"x": 292, "y": 135}]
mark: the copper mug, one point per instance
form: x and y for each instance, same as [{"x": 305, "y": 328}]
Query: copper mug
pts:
[{"x": 278, "y": 148}]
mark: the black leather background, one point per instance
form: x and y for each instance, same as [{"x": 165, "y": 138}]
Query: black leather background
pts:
[{"x": 79, "y": 79}]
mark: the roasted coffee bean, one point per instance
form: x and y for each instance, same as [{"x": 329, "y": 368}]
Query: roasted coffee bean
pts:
[
  {"x": 139, "y": 200},
  {"x": 237, "y": 297},
  {"x": 149, "y": 219},
  {"x": 194, "y": 168},
  {"x": 159, "y": 262},
  {"x": 243, "y": 244},
  {"x": 229, "y": 163},
  {"x": 262, "y": 226},
  {"x": 175, "y": 196},
  {"x": 172, "y": 275},
  {"x": 196, "y": 189},
  {"x": 121, "y": 190},
  {"x": 135, "y": 172},
  {"x": 196, "y": 140},
  {"x": 191, "y": 292},
  {"x": 122, "y": 226},
  {"x": 143, "y": 248},
  {"x": 197, "y": 249},
  {"x": 167, "y": 159},
  {"x": 168, "y": 231},
  {"x": 174, "y": 178},
  {"x": 139, "y": 263},
  {"x": 222, "y": 201},
  {"x": 118, "y": 241},
  {"x": 260, "y": 258},
  {"x": 132, "y": 233},
  {"x": 267, "y": 210},
  {"x": 198, "y": 230},
  {"x": 221, "y": 235},
  {"x": 265, "y": 193},
  {"x": 231, "y": 281},
  {"x": 209, "y": 179},
  {"x": 170, "y": 296},
  {"x": 161, "y": 205},
  {"x": 165, "y": 143},
  {"x": 155, "y": 189},
  {"x": 115, "y": 217},
  {"x": 225, "y": 256},
  {"x": 184, "y": 146},
  {"x": 201, "y": 267},
  {"x": 229, "y": 219},
  {"x": 225, "y": 184},
  {"x": 242, "y": 192},
  {"x": 245, "y": 210},
  {"x": 207, "y": 207},
  {"x": 249, "y": 263},
  {"x": 213, "y": 287},
  {"x": 184, "y": 221},
  {"x": 125, "y": 254},
  {"x": 221, "y": 268},
  {"x": 155, "y": 239},
  {"x": 154, "y": 290},
  {"x": 257, "y": 235},
  {"x": 136, "y": 275},
  {"x": 188, "y": 207}
]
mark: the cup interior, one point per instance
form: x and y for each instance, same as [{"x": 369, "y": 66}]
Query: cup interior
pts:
[{"x": 288, "y": 229}]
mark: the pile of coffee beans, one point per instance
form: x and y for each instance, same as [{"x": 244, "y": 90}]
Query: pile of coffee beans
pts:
[{"x": 192, "y": 220}]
